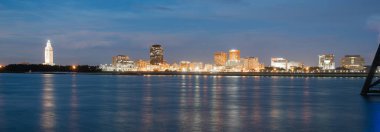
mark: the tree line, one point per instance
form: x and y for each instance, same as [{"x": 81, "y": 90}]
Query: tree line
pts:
[{"x": 21, "y": 68}]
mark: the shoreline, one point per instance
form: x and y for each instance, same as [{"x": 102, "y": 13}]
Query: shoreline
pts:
[{"x": 285, "y": 74}]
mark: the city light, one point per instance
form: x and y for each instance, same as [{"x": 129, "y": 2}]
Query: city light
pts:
[
  {"x": 74, "y": 67},
  {"x": 230, "y": 61}
]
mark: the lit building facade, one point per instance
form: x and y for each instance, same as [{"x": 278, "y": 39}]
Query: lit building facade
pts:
[
  {"x": 293, "y": 64},
  {"x": 49, "y": 54},
  {"x": 234, "y": 55},
  {"x": 327, "y": 62},
  {"x": 156, "y": 55},
  {"x": 120, "y": 59},
  {"x": 196, "y": 66},
  {"x": 184, "y": 66},
  {"x": 353, "y": 62},
  {"x": 233, "y": 64},
  {"x": 252, "y": 64},
  {"x": 220, "y": 58},
  {"x": 279, "y": 63},
  {"x": 174, "y": 67},
  {"x": 208, "y": 67},
  {"x": 142, "y": 65},
  {"x": 120, "y": 63},
  {"x": 125, "y": 66}
]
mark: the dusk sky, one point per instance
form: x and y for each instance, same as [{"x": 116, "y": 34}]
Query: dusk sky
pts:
[{"x": 92, "y": 31}]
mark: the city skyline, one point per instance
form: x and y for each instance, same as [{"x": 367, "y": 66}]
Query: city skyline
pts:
[
  {"x": 89, "y": 32},
  {"x": 231, "y": 61},
  {"x": 230, "y": 55}
]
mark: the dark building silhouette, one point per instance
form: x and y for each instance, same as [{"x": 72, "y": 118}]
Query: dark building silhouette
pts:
[{"x": 156, "y": 54}]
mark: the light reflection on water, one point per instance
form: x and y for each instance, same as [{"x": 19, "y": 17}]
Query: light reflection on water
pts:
[
  {"x": 48, "y": 104},
  {"x": 147, "y": 112},
  {"x": 184, "y": 103},
  {"x": 2, "y": 103},
  {"x": 74, "y": 103}
]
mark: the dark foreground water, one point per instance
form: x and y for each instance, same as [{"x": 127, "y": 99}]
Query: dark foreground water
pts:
[{"x": 37, "y": 102}]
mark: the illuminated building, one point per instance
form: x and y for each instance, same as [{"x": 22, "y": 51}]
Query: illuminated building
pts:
[
  {"x": 49, "y": 54},
  {"x": 252, "y": 64},
  {"x": 292, "y": 65},
  {"x": 142, "y": 65},
  {"x": 120, "y": 63},
  {"x": 153, "y": 68},
  {"x": 220, "y": 58},
  {"x": 119, "y": 59},
  {"x": 327, "y": 62},
  {"x": 195, "y": 66},
  {"x": 233, "y": 64},
  {"x": 208, "y": 67},
  {"x": 164, "y": 66},
  {"x": 234, "y": 55},
  {"x": 353, "y": 62},
  {"x": 279, "y": 63},
  {"x": 156, "y": 54},
  {"x": 174, "y": 67},
  {"x": 125, "y": 66},
  {"x": 184, "y": 65}
]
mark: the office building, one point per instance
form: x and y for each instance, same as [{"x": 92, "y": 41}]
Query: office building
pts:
[
  {"x": 156, "y": 55},
  {"x": 251, "y": 64},
  {"x": 234, "y": 55},
  {"x": 279, "y": 63},
  {"x": 353, "y": 62},
  {"x": 220, "y": 58},
  {"x": 327, "y": 61},
  {"x": 119, "y": 59}
]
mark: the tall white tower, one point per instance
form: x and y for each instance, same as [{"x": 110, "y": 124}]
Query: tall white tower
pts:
[{"x": 49, "y": 57}]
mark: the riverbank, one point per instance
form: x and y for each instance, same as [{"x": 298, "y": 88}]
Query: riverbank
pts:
[{"x": 215, "y": 74}]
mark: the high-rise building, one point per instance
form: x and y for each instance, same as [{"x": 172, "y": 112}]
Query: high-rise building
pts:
[
  {"x": 49, "y": 54},
  {"x": 252, "y": 64},
  {"x": 156, "y": 55},
  {"x": 234, "y": 55},
  {"x": 220, "y": 58},
  {"x": 119, "y": 59},
  {"x": 353, "y": 62},
  {"x": 233, "y": 63},
  {"x": 279, "y": 63},
  {"x": 327, "y": 61}
]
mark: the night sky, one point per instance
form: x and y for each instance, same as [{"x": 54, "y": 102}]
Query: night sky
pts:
[{"x": 92, "y": 31}]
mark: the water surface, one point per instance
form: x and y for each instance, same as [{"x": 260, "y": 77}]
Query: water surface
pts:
[{"x": 47, "y": 102}]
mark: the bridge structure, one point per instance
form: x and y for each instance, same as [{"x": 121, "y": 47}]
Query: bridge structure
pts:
[{"x": 371, "y": 81}]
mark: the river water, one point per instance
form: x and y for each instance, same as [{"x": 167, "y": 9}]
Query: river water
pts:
[{"x": 80, "y": 102}]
